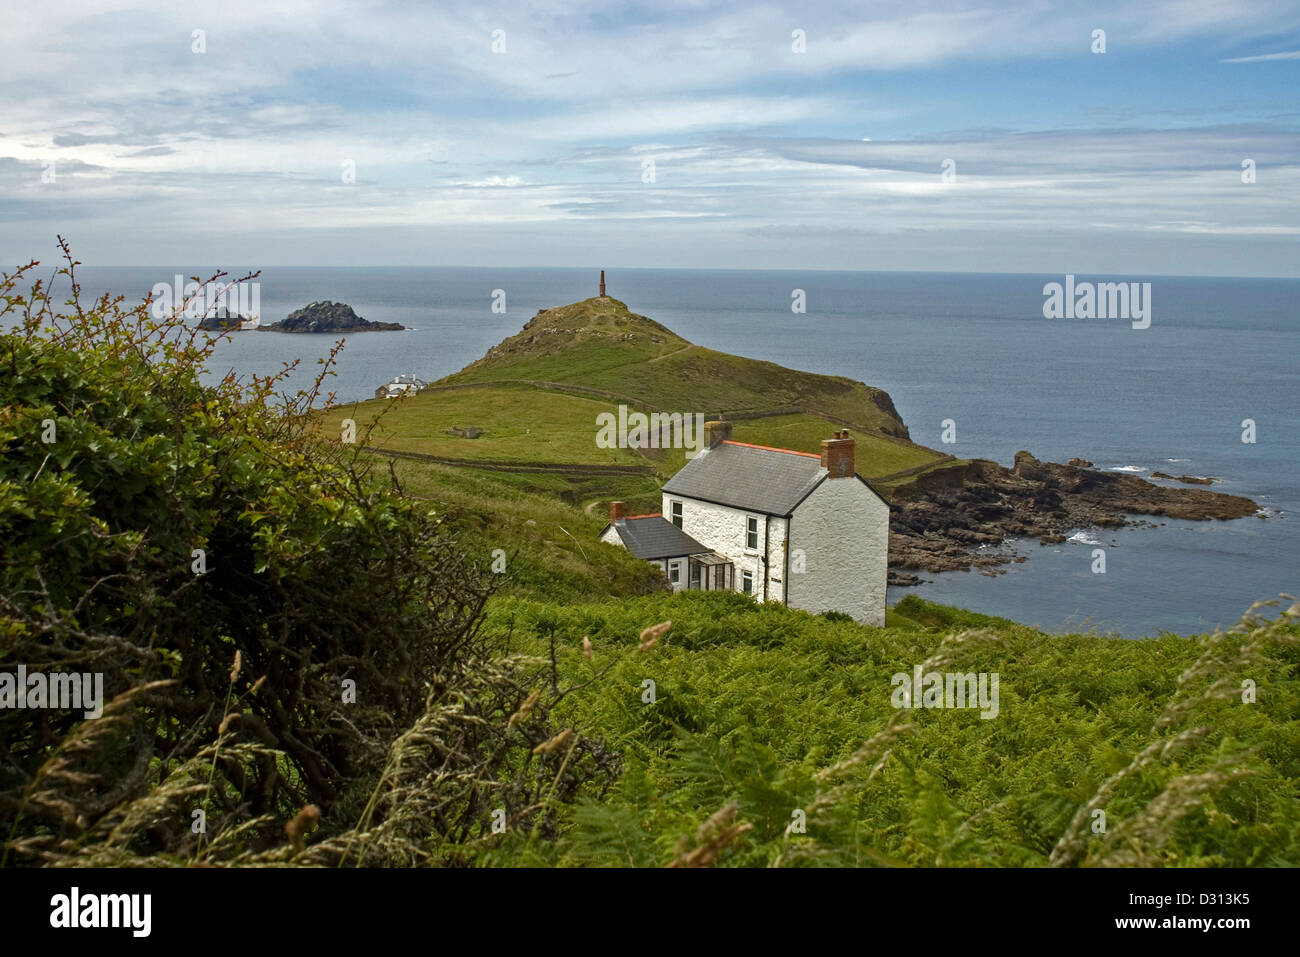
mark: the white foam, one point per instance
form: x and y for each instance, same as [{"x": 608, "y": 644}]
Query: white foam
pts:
[
  {"x": 1082, "y": 538},
  {"x": 1126, "y": 468}
]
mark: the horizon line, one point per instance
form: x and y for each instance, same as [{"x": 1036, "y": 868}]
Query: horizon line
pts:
[{"x": 714, "y": 269}]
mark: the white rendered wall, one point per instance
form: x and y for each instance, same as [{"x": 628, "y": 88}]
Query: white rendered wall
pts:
[
  {"x": 776, "y": 534},
  {"x": 722, "y": 529},
  {"x": 843, "y": 529}
]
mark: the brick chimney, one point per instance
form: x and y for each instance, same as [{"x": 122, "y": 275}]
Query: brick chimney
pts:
[
  {"x": 837, "y": 455},
  {"x": 602, "y": 283},
  {"x": 617, "y": 512},
  {"x": 716, "y": 432}
]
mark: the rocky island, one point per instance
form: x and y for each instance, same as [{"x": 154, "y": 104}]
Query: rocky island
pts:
[
  {"x": 224, "y": 320},
  {"x": 329, "y": 317}
]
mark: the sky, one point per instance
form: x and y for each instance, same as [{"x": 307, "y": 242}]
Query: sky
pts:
[{"x": 943, "y": 136}]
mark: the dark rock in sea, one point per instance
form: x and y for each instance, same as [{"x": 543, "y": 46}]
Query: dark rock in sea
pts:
[
  {"x": 938, "y": 522},
  {"x": 329, "y": 317},
  {"x": 1185, "y": 479},
  {"x": 1080, "y": 463},
  {"x": 223, "y": 320},
  {"x": 903, "y": 579}
]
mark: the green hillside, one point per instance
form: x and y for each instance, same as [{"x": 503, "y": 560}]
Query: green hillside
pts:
[
  {"x": 518, "y": 425},
  {"x": 534, "y": 401},
  {"x": 551, "y": 547},
  {"x": 770, "y": 712}
]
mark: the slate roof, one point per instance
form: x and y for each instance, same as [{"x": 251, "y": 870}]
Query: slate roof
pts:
[
  {"x": 750, "y": 477},
  {"x": 653, "y": 536}
]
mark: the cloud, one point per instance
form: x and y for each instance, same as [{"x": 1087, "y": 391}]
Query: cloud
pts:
[
  {"x": 494, "y": 182},
  {"x": 751, "y": 141},
  {"x": 1261, "y": 58},
  {"x": 151, "y": 151}
]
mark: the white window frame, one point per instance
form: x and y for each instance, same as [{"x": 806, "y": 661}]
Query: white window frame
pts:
[
  {"x": 751, "y": 520},
  {"x": 675, "y": 512}
]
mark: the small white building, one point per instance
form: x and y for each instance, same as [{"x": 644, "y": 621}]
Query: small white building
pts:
[
  {"x": 784, "y": 526},
  {"x": 401, "y": 385}
]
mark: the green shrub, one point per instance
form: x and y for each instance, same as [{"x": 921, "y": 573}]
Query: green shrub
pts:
[{"x": 283, "y": 638}]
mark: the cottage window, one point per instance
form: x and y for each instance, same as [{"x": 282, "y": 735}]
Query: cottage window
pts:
[
  {"x": 751, "y": 533},
  {"x": 677, "y": 514},
  {"x": 747, "y": 582},
  {"x": 674, "y": 572}
]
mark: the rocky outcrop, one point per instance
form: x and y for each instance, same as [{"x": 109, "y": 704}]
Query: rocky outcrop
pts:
[
  {"x": 329, "y": 317},
  {"x": 885, "y": 404},
  {"x": 223, "y": 320},
  {"x": 959, "y": 517},
  {"x": 1185, "y": 479}
]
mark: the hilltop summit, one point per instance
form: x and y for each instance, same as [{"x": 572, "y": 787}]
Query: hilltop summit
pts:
[
  {"x": 599, "y": 320},
  {"x": 600, "y": 344}
]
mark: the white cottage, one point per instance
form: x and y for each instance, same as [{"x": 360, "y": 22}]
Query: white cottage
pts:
[
  {"x": 401, "y": 385},
  {"x": 785, "y": 526}
]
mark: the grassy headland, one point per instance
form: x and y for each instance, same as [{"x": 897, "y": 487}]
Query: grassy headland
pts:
[{"x": 536, "y": 396}]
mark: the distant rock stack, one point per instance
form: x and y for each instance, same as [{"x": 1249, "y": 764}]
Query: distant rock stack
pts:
[{"x": 602, "y": 284}]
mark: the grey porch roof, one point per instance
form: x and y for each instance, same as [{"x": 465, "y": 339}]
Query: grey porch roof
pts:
[
  {"x": 749, "y": 477},
  {"x": 652, "y": 536}
]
